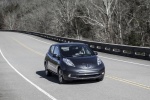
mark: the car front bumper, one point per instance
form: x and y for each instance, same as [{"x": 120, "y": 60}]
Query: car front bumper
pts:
[{"x": 83, "y": 74}]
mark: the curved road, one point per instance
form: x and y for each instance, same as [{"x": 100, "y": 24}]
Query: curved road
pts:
[{"x": 22, "y": 74}]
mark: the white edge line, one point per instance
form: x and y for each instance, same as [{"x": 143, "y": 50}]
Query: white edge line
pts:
[
  {"x": 103, "y": 56},
  {"x": 40, "y": 89}
]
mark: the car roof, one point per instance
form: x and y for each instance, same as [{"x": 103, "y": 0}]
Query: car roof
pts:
[{"x": 62, "y": 44}]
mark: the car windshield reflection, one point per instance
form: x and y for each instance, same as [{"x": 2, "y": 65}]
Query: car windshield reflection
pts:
[{"x": 75, "y": 51}]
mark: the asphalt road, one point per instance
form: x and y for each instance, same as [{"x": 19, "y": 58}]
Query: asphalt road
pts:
[{"x": 22, "y": 74}]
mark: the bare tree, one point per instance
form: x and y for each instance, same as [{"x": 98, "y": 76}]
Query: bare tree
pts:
[
  {"x": 64, "y": 13},
  {"x": 111, "y": 21},
  {"x": 100, "y": 14}
]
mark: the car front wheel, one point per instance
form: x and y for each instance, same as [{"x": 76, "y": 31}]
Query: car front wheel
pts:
[
  {"x": 60, "y": 77},
  {"x": 47, "y": 72}
]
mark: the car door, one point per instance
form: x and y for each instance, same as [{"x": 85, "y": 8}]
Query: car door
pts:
[
  {"x": 56, "y": 58},
  {"x": 50, "y": 58}
]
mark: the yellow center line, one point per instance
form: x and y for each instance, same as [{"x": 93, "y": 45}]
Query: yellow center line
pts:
[
  {"x": 129, "y": 82},
  {"x": 27, "y": 47},
  {"x": 108, "y": 76}
]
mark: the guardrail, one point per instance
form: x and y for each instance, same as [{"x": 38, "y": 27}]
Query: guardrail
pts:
[{"x": 123, "y": 50}]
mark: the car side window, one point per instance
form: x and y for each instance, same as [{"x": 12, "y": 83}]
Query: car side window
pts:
[
  {"x": 56, "y": 51},
  {"x": 51, "y": 49}
]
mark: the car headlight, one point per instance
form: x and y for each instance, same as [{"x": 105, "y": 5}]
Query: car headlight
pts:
[
  {"x": 98, "y": 61},
  {"x": 68, "y": 62}
]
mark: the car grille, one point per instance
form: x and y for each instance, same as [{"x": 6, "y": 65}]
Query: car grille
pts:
[{"x": 86, "y": 76}]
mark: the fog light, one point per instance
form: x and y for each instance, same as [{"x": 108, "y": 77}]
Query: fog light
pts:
[
  {"x": 103, "y": 73},
  {"x": 69, "y": 75}
]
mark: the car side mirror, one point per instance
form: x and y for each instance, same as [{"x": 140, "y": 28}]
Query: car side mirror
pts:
[
  {"x": 95, "y": 53},
  {"x": 56, "y": 56}
]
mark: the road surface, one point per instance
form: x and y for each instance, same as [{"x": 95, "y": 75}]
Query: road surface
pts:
[{"x": 22, "y": 74}]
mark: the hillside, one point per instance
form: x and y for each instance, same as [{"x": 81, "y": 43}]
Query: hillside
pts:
[{"x": 111, "y": 21}]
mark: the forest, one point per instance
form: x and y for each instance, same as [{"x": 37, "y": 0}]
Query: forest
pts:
[{"x": 125, "y": 22}]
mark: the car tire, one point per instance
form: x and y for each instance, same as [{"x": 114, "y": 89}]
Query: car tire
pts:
[
  {"x": 60, "y": 77},
  {"x": 47, "y": 72}
]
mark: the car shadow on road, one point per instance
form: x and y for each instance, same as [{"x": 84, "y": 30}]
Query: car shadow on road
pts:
[{"x": 54, "y": 79}]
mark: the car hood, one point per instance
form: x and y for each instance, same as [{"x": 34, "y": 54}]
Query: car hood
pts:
[{"x": 90, "y": 61}]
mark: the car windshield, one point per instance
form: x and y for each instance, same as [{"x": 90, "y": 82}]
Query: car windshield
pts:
[{"x": 76, "y": 51}]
